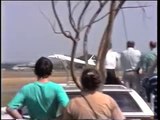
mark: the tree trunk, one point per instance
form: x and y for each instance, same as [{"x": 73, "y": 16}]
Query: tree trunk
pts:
[
  {"x": 72, "y": 64},
  {"x": 85, "y": 52},
  {"x": 106, "y": 39}
]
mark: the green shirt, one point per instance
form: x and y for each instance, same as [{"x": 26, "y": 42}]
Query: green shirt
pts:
[
  {"x": 147, "y": 60},
  {"x": 41, "y": 99}
]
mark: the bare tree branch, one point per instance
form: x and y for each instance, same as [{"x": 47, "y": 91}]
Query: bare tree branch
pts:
[
  {"x": 106, "y": 38},
  {"x": 88, "y": 29},
  {"x": 52, "y": 26},
  {"x": 120, "y": 6},
  {"x": 72, "y": 63},
  {"x": 100, "y": 3},
  {"x": 60, "y": 24},
  {"x": 89, "y": 9},
  {"x": 144, "y": 11},
  {"x": 95, "y": 15},
  {"x": 75, "y": 7},
  {"x": 118, "y": 9},
  {"x": 74, "y": 40},
  {"x": 82, "y": 13},
  {"x": 132, "y": 7},
  {"x": 71, "y": 20}
]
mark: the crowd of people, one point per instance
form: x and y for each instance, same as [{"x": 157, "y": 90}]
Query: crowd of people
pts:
[
  {"x": 139, "y": 69},
  {"x": 134, "y": 64},
  {"x": 47, "y": 100}
]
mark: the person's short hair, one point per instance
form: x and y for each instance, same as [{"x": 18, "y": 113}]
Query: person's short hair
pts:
[
  {"x": 90, "y": 79},
  {"x": 43, "y": 67},
  {"x": 130, "y": 43},
  {"x": 152, "y": 44}
]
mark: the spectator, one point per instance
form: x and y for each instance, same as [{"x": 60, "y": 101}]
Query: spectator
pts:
[
  {"x": 42, "y": 98},
  {"x": 153, "y": 91},
  {"x": 150, "y": 85},
  {"x": 147, "y": 59},
  {"x": 92, "y": 104},
  {"x": 112, "y": 58},
  {"x": 129, "y": 59}
]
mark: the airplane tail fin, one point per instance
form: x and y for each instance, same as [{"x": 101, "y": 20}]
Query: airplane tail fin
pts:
[{"x": 92, "y": 59}]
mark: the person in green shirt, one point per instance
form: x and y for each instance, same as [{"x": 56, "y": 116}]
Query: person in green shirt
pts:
[
  {"x": 42, "y": 97},
  {"x": 147, "y": 59}
]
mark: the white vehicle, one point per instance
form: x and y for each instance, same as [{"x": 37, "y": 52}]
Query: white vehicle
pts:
[
  {"x": 131, "y": 104},
  {"x": 129, "y": 101}
]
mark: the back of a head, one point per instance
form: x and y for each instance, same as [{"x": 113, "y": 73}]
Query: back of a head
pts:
[
  {"x": 130, "y": 44},
  {"x": 43, "y": 67},
  {"x": 152, "y": 44},
  {"x": 90, "y": 79}
]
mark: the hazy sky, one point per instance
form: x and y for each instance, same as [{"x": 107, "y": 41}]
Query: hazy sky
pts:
[{"x": 26, "y": 34}]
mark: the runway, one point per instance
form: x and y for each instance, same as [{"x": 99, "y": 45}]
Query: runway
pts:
[{"x": 12, "y": 81}]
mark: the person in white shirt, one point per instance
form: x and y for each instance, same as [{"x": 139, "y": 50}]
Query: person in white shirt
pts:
[
  {"x": 129, "y": 60},
  {"x": 111, "y": 61}
]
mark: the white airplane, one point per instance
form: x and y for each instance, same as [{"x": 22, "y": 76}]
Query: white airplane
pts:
[
  {"x": 91, "y": 61},
  {"x": 23, "y": 66},
  {"x": 61, "y": 57}
]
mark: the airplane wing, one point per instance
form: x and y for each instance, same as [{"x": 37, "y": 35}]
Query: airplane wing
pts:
[{"x": 67, "y": 58}]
